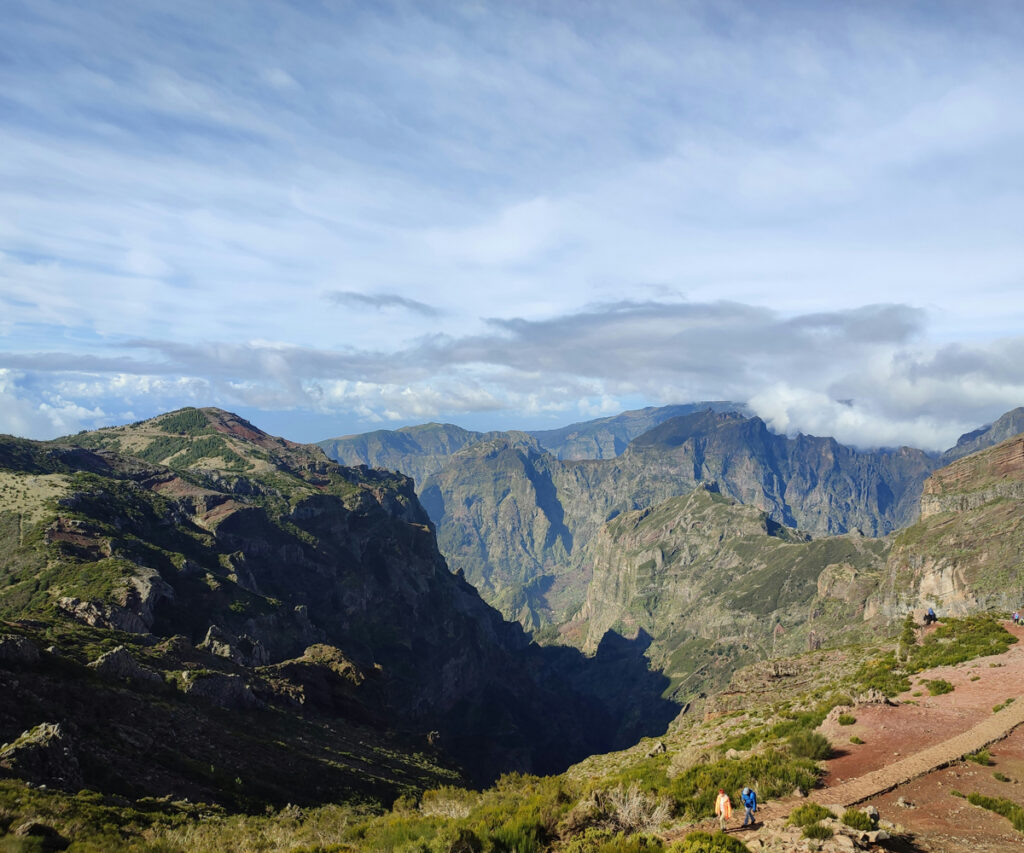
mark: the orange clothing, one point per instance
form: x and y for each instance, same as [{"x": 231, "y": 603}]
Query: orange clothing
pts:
[{"x": 723, "y": 806}]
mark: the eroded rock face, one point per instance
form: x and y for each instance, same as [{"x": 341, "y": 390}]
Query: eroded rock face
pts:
[
  {"x": 99, "y": 614},
  {"x": 224, "y": 691},
  {"x": 964, "y": 553},
  {"x": 241, "y": 649},
  {"x": 44, "y": 755},
  {"x": 119, "y": 663}
]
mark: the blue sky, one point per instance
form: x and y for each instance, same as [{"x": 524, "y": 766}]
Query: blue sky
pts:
[{"x": 341, "y": 216}]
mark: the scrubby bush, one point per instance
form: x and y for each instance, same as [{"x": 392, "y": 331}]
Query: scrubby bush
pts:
[
  {"x": 1007, "y": 808},
  {"x": 634, "y": 810},
  {"x": 607, "y": 841},
  {"x": 996, "y": 709},
  {"x": 982, "y": 757},
  {"x": 856, "y": 740},
  {"x": 818, "y": 831},
  {"x": 938, "y": 686},
  {"x": 703, "y": 842},
  {"x": 858, "y": 820},
  {"x": 847, "y": 719},
  {"x": 812, "y": 745},
  {"x": 1001, "y": 777},
  {"x": 448, "y": 801},
  {"x": 519, "y": 835},
  {"x": 808, "y": 813}
]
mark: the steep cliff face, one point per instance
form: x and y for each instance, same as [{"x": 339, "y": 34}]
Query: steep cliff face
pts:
[
  {"x": 714, "y": 583},
  {"x": 196, "y": 524},
  {"x": 517, "y": 519},
  {"x": 502, "y": 522},
  {"x": 812, "y": 483},
  {"x": 965, "y": 552}
]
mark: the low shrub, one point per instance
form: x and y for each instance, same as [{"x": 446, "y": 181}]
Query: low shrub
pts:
[
  {"x": 997, "y": 708},
  {"x": 1007, "y": 808},
  {"x": 856, "y": 740},
  {"x": 519, "y": 835},
  {"x": 704, "y": 842},
  {"x": 607, "y": 841},
  {"x": 1001, "y": 777},
  {"x": 818, "y": 831},
  {"x": 634, "y": 810},
  {"x": 812, "y": 745},
  {"x": 808, "y": 813},
  {"x": 847, "y": 719},
  {"x": 858, "y": 820},
  {"x": 982, "y": 757},
  {"x": 938, "y": 686}
]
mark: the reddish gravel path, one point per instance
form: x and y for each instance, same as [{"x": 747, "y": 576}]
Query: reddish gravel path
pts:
[{"x": 901, "y": 741}]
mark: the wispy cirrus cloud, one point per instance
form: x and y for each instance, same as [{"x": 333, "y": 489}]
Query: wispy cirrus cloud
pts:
[{"x": 380, "y": 301}]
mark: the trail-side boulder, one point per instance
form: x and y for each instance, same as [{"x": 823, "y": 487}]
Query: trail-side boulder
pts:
[
  {"x": 220, "y": 689},
  {"x": 118, "y": 663},
  {"x": 17, "y": 651},
  {"x": 44, "y": 755}
]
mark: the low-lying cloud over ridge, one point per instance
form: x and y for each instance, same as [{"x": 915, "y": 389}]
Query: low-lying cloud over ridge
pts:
[{"x": 865, "y": 375}]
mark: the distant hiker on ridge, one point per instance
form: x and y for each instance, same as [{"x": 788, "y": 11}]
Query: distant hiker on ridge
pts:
[
  {"x": 723, "y": 808},
  {"x": 749, "y": 806},
  {"x": 930, "y": 616}
]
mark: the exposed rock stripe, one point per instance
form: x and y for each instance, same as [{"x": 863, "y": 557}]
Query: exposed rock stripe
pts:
[{"x": 864, "y": 787}]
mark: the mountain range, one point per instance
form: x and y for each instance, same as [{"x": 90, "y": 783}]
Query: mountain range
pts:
[
  {"x": 189, "y": 586},
  {"x": 515, "y": 514}
]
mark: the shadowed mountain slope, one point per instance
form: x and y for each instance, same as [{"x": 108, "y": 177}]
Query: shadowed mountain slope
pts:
[{"x": 257, "y": 552}]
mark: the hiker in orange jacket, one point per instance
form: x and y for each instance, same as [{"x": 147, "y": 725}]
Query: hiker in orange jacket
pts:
[{"x": 723, "y": 808}]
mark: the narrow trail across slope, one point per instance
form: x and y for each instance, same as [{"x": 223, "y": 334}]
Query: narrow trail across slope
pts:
[{"x": 864, "y": 787}]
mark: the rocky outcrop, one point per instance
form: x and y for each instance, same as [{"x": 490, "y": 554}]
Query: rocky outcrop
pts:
[
  {"x": 100, "y": 614},
  {"x": 241, "y": 649},
  {"x": 17, "y": 651},
  {"x": 976, "y": 480},
  {"x": 44, "y": 755},
  {"x": 220, "y": 689},
  {"x": 118, "y": 663},
  {"x": 131, "y": 606}
]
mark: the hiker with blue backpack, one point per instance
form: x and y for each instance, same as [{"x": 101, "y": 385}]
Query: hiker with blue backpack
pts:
[{"x": 749, "y": 806}]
